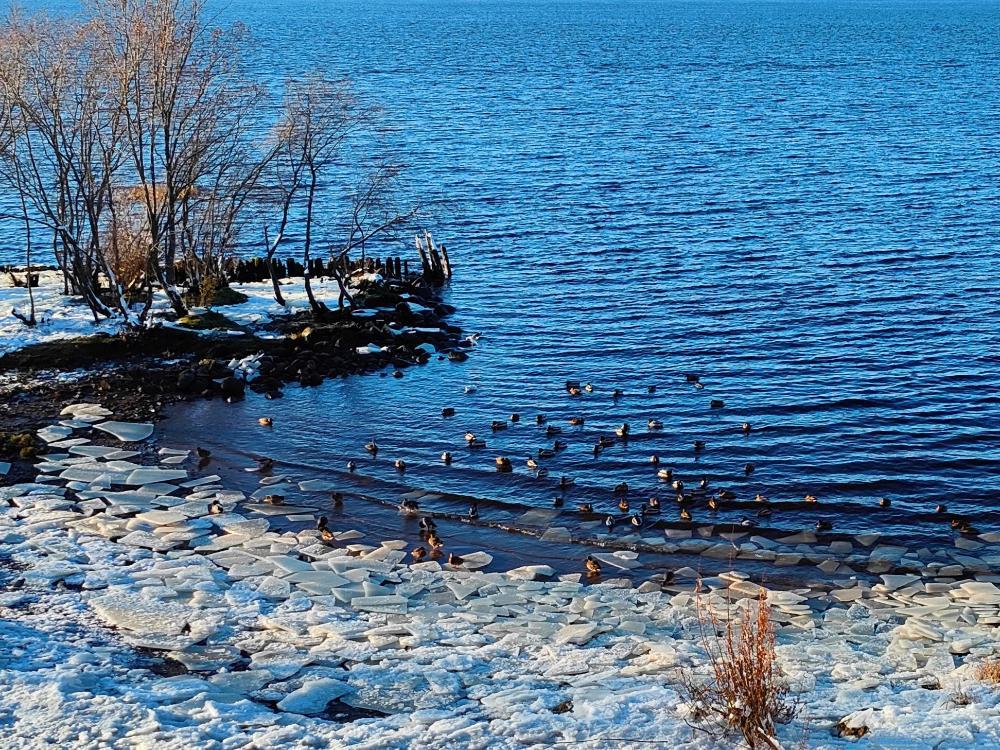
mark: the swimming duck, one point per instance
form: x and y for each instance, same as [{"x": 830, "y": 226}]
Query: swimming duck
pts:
[
  {"x": 593, "y": 566},
  {"x": 455, "y": 560},
  {"x": 551, "y": 430},
  {"x": 446, "y": 458},
  {"x": 577, "y": 421},
  {"x": 623, "y": 431},
  {"x": 713, "y": 504},
  {"x": 941, "y": 509},
  {"x": 703, "y": 484},
  {"x": 470, "y": 389},
  {"x": 558, "y": 502},
  {"x": 503, "y": 464},
  {"x": 542, "y": 472},
  {"x": 726, "y": 495},
  {"x": 540, "y": 419},
  {"x": 351, "y": 466},
  {"x": 654, "y": 459},
  {"x": 609, "y": 522},
  {"x": 745, "y": 427},
  {"x": 759, "y": 498},
  {"x": 617, "y": 393},
  {"x": 685, "y": 514},
  {"x": 650, "y": 389},
  {"x": 560, "y": 445},
  {"x": 747, "y": 523},
  {"x": 400, "y": 465},
  {"x": 566, "y": 482},
  {"x": 338, "y": 499},
  {"x": 574, "y": 392},
  {"x": 678, "y": 485},
  {"x": 764, "y": 512},
  {"x": 470, "y": 437},
  {"x": 274, "y": 499},
  {"x": 621, "y": 488},
  {"x": 265, "y": 465},
  {"x": 811, "y": 499},
  {"x": 699, "y": 445},
  {"x": 692, "y": 377},
  {"x": 427, "y": 524},
  {"x": 597, "y": 449},
  {"x": 717, "y": 403},
  {"x": 588, "y": 388},
  {"x": 654, "y": 424},
  {"x": 203, "y": 452},
  {"x": 636, "y": 521},
  {"x": 884, "y": 502},
  {"x": 496, "y": 425},
  {"x": 372, "y": 447},
  {"x": 474, "y": 511},
  {"x": 321, "y": 523},
  {"x": 532, "y": 463},
  {"x": 547, "y": 452},
  {"x": 623, "y": 505},
  {"x": 326, "y": 535},
  {"x": 448, "y": 412},
  {"x": 515, "y": 417},
  {"x": 823, "y": 525},
  {"x": 476, "y": 444},
  {"x": 665, "y": 474},
  {"x": 605, "y": 441},
  {"x": 215, "y": 508},
  {"x": 654, "y": 504},
  {"x": 586, "y": 507},
  {"x": 265, "y": 422},
  {"x": 434, "y": 540},
  {"x": 749, "y": 469},
  {"x": 419, "y": 553},
  {"x": 409, "y": 507}
]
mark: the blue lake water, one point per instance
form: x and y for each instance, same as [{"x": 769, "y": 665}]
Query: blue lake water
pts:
[{"x": 798, "y": 200}]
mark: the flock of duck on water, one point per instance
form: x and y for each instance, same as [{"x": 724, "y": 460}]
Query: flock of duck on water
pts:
[{"x": 627, "y": 516}]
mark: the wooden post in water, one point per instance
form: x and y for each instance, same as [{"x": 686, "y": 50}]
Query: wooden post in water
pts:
[
  {"x": 447, "y": 262},
  {"x": 424, "y": 261}
]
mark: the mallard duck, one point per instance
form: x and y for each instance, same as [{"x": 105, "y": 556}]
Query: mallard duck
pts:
[
  {"x": 717, "y": 403},
  {"x": 748, "y": 469},
  {"x": 474, "y": 511},
  {"x": 409, "y": 507},
  {"x": 703, "y": 483},
  {"x": 654, "y": 503},
  {"x": 455, "y": 560},
  {"x": 540, "y": 419},
  {"x": 593, "y": 566},
  {"x": 566, "y": 481},
  {"x": 215, "y": 508},
  {"x": 747, "y": 523},
  {"x": 822, "y": 525},
  {"x": 265, "y": 422},
  {"x": 552, "y": 429},
  {"x": 623, "y": 505},
  {"x": 419, "y": 553},
  {"x": 655, "y": 424},
  {"x": 559, "y": 445},
  {"x": 321, "y": 523},
  {"x": 532, "y": 463},
  {"x": 496, "y": 425},
  {"x": 352, "y": 467},
  {"x": 446, "y": 458},
  {"x": 621, "y": 488},
  {"x": 477, "y": 444},
  {"x": 585, "y": 507},
  {"x": 448, "y": 412},
  {"x": 759, "y": 498},
  {"x": 745, "y": 427},
  {"x": 503, "y": 464},
  {"x": 678, "y": 485},
  {"x": 577, "y": 421},
  {"x": 515, "y": 418},
  {"x": 338, "y": 499},
  {"x": 558, "y": 502},
  {"x": 274, "y": 499},
  {"x": 650, "y": 389},
  {"x": 685, "y": 514},
  {"x": 726, "y": 495},
  {"x": 654, "y": 459},
  {"x": 400, "y": 465},
  {"x": 940, "y": 508},
  {"x": 203, "y": 452},
  {"x": 588, "y": 388},
  {"x": 470, "y": 437},
  {"x": 609, "y": 522},
  {"x": 426, "y": 524},
  {"x": 326, "y": 535},
  {"x": 372, "y": 447},
  {"x": 713, "y": 504},
  {"x": 617, "y": 393},
  {"x": 884, "y": 502},
  {"x": 623, "y": 430},
  {"x": 546, "y": 453},
  {"x": 434, "y": 540},
  {"x": 636, "y": 521},
  {"x": 811, "y": 499},
  {"x": 665, "y": 474}
]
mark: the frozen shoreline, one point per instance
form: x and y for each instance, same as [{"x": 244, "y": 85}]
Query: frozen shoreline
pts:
[{"x": 275, "y": 626}]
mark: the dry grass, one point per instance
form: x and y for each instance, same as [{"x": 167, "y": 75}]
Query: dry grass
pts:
[
  {"x": 989, "y": 671},
  {"x": 745, "y": 691}
]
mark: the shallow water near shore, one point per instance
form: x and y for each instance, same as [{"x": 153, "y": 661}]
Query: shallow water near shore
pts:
[{"x": 795, "y": 200}]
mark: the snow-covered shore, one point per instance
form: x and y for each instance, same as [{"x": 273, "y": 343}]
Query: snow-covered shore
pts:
[{"x": 279, "y": 632}]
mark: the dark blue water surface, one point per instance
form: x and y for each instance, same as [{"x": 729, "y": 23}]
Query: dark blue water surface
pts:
[{"x": 797, "y": 200}]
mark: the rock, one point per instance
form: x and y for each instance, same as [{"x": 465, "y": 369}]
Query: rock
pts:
[
  {"x": 853, "y": 725},
  {"x": 232, "y": 387}
]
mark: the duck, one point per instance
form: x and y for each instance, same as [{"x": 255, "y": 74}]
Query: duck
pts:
[
  {"x": 597, "y": 449},
  {"x": 474, "y": 511},
  {"x": 274, "y": 499},
  {"x": 470, "y": 437},
  {"x": 532, "y": 463},
  {"x": 496, "y": 425},
  {"x": 574, "y": 392},
  {"x": 566, "y": 482},
  {"x": 203, "y": 453},
  {"x": 546, "y": 452},
  {"x": 745, "y": 427},
  {"x": 703, "y": 483},
  {"x": 811, "y": 499},
  {"x": 623, "y": 430},
  {"x": 747, "y": 523},
  {"x": 623, "y": 505},
  {"x": 427, "y": 524},
  {"x": 352, "y": 467},
  {"x": 419, "y": 553},
  {"x": 654, "y": 504},
  {"x": 764, "y": 512},
  {"x": 400, "y": 465},
  {"x": 654, "y": 424},
  {"x": 685, "y": 514},
  {"x": 717, "y": 403},
  {"x": 215, "y": 508},
  {"x": 515, "y": 418},
  {"x": 692, "y": 377},
  {"x": 593, "y": 566},
  {"x": 577, "y": 421},
  {"x": 650, "y": 389},
  {"x": 409, "y": 507},
  {"x": 940, "y": 508},
  {"x": 552, "y": 429},
  {"x": 540, "y": 419},
  {"x": 966, "y": 528},
  {"x": 884, "y": 502},
  {"x": 265, "y": 465},
  {"x": 434, "y": 540},
  {"x": 636, "y": 521},
  {"x": 609, "y": 523},
  {"x": 448, "y": 411},
  {"x": 748, "y": 469},
  {"x": 823, "y": 525},
  {"x": 621, "y": 488},
  {"x": 585, "y": 507},
  {"x": 372, "y": 447},
  {"x": 265, "y": 422},
  {"x": 338, "y": 499},
  {"x": 605, "y": 441},
  {"x": 726, "y": 495},
  {"x": 559, "y": 445},
  {"x": 455, "y": 560},
  {"x": 446, "y": 458},
  {"x": 588, "y": 388},
  {"x": 476, "y": 444},
  {"x": 713, "y": 504},
  {"x": 654, "y": 459},
  {"x": 470, "y": 389},
  {"x": 759, "y": 498},
  {"x": 699, "y": 445},
  {"x": 678, "y": 485},
  {"x": 321, "y": 523},
  {"x": 503, "y": 464},
  {"x": 558, "y": 502},
  {"x": 617, "y": 393},
  {"x": 665, "y": 474},
  {"x": 542, "y": 472}
]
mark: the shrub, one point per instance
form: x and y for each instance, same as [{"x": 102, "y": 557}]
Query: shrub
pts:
[{"x": 989, "y": 671}]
